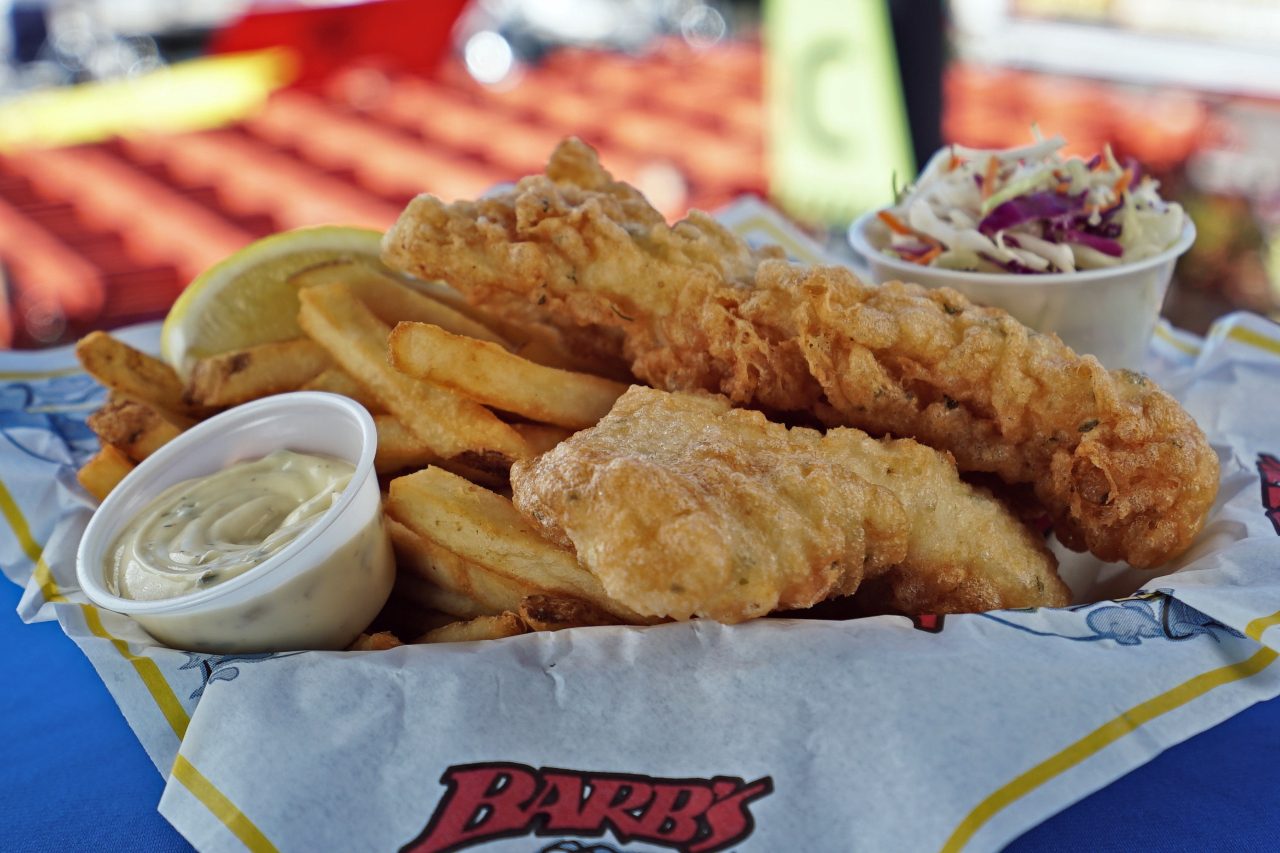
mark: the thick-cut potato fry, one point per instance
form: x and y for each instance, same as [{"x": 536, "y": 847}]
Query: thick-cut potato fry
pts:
[
  {"x": 135, "y": 429},
  {"x": 232, "y": 378},
  {"x": 480, "y": 628},
  {"x": 428, "y": 595},
  {"x": 449, "y": 424},
  {"x": 538, "y": 342},
  {"x": 399, "y": 447},
  {"x": 104, "y": 471},
  {"x": 425, "y": 558},
  {"x": 486, "y": 528},
  {"x": 135, "y": 374},
  {"x": 180, "y": 421},
  {"x": 544, "y": 613},
  {"x": 493, "y": 376},
  {"x": 542, "y": 437},
  {"x": 391, "y": 301},
  {"x": 404, "y": 617},
  {"x": 335, "y": 380},
  {"x": 378, "y": 642}
]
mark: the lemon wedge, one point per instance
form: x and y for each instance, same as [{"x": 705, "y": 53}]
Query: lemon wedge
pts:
[{"x": 246, "y": 299}]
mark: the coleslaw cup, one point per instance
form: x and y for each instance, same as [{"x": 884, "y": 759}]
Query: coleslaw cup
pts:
[
  {"x": 1110, "y": 313},
  {"x": 319, "y": 592}
]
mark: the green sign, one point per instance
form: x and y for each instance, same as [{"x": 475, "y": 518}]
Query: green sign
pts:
[{"x": 838, "y": 129}]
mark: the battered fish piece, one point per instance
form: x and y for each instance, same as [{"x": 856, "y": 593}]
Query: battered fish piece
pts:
[
  {"x": 570, "y": 245},
  {"x": 682, "y": 507},
  {"x": 966, "y": 553},
  {"x": 1121, "y": 468}
]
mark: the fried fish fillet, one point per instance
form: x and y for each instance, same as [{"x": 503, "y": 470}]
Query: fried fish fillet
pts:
[
  {"x": 966, "y": 552},
  {"x": 570, "y": 245},
  {"x": 683, "y": 506},
  {"x": 1121, "y": 468}
]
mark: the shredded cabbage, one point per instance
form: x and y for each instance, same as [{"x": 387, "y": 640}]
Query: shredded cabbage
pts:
[{"x": 1042, "y": 213}]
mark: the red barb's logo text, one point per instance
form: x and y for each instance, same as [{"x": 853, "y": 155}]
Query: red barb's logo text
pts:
[
  {"x": 1269, "y": 471},
  {"x": 485, "y": 802}
]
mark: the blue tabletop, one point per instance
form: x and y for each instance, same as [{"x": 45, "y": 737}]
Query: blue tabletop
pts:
[{"x": 73, "y": 777}]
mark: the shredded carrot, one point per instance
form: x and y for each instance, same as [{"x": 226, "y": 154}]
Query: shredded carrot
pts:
[
  {"x": 1122, "y": 183},
  {"x": 895, "y": 224},
  {"x": 1064, "y": 186},
  {"x": 1091, "y": 209},
  {"x": 924, "y": 259},
  {"x": 989, "y": 179},
  {"x": 954, "y": 164}
]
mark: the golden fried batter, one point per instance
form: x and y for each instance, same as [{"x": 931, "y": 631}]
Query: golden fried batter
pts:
[
  {"x": 1123, "y": 471},
  {"x": 682, "y": 507},
  {"x": 571, "y": 244},
  {"x": 966, "y": 552}
]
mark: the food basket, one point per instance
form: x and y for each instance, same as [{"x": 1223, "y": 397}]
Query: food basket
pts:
[{"x": 933, "y": 734}]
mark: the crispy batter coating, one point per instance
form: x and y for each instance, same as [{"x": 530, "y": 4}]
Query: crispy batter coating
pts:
[
  {"x": 966, "y": 552},
  {"x": 1123, "y": 471},
  {"x": 571, "y": 244},
  {"x": 682, "y": 507}
]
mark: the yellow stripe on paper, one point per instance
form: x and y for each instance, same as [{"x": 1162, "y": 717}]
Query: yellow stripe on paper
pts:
[
  {"x": 13, "y": 515},
  {"x": 1255, "y": 628},
  {"x": 771, "y": 228},
  {"x": 1102, "y": 737},
  {"x": 13, "y": 376},
  {"x": 1256, "y": 339},
  {"x": 18, "y": 523},
  {"x": 1177, "y": 343},
  {"x": 222, "y": 808},
  {"x": 44, "y": 579},
  {"x": 150, "y": 674}
]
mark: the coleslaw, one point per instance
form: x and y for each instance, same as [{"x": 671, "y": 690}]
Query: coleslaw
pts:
[{"x": 1030, "y": 210}]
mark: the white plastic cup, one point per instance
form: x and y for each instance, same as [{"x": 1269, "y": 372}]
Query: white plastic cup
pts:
[
  {"x": 319, "y": 592},
  {"x": 1109, "y": 313}
]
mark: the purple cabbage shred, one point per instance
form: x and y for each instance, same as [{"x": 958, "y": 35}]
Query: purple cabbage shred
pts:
[{"x": 1093, "y": 241}]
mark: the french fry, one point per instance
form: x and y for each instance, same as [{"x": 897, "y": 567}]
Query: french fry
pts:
[
  {"x": 540, "y": 343},
  {"x": 479, "y": 628},
  {"x": 436, "y": 619},
  {"x": 135, "y": 374},
  {"x": 450, "y": 425},
  {"x": 486, "y": 528},
  {"x": 489, "y": 374},
  {"x": 399, "y": 447},
  {"x": 239, "y": 376},
  {"x": 404, "y": 617},
  {"x": 390, "y": 301},
  {"x": 135, "y": 429},
  {"x": 104, "y": 471},
  {"x": 542, "y": 437},
  {"x": 544, "y": 613},
  {"x": 378, "y": 642},
  {"x": 427, "y": 595},
  {"x": 335, "y": 380},
  {"x": 424, "y": 558}
]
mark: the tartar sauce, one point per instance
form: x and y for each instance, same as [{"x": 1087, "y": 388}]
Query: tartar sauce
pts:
[{"x": 208, "y": 530}]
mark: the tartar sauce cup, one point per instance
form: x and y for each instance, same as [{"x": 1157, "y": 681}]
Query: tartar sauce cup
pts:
[
  {"x": 1109, "y": 313},
  {"x": 319, "y": 592}
]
